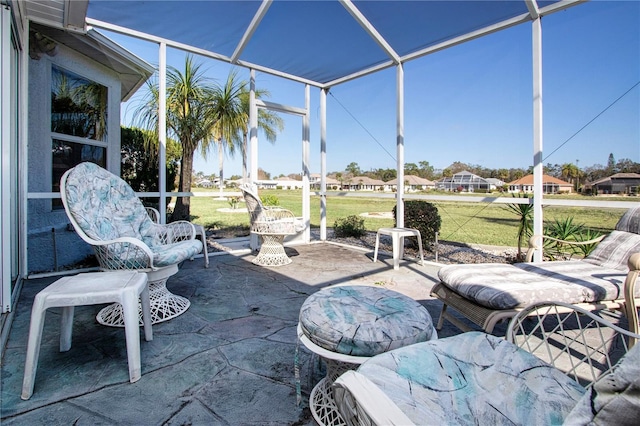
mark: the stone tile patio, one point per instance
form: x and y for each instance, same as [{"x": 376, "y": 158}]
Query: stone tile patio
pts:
[{"x": 228, "y": 360}]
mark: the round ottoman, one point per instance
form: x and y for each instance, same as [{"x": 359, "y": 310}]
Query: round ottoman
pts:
[{"x": 346, "y": 325}]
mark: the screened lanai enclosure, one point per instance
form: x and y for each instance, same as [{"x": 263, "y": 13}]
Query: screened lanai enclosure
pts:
[{"x": 319, "y": 44}]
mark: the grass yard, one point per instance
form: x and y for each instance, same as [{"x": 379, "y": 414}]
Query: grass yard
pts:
[{"x": 478, "y": 223}]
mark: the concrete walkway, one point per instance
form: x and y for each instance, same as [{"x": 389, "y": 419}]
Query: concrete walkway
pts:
[{"x": 228, "y": 360}]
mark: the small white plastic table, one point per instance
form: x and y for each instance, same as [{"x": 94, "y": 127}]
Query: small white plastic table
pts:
[
  {"x": 124, "y": 287},
  {"x": 397, "y": 238}
]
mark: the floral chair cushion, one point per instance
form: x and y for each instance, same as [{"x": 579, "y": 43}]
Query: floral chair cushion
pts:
[
  {"x": 473, "y": 378},
  {"x": 364, "y": 320},
  {"x": 110, "y": 209}
]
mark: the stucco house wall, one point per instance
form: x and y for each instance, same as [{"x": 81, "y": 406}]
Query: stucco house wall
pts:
[{"x": 51, "y": 243}]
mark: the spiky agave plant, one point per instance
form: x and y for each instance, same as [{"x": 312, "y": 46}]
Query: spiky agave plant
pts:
[{"x": 525, "y": 221}]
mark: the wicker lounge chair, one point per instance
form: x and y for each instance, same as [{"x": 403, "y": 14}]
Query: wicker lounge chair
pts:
[
  {"x": 106, "y": 213},
  {"x": 272, "y": 224},
  {"x": 489, "y": 293},
  {"x": 553, "y": 368}
]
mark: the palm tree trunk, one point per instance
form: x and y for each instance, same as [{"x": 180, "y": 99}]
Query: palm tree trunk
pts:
[
  {"x": 182, "y": 209},
  {"x": 221, "y": 164},
  {"x": 244, "y": 157}
]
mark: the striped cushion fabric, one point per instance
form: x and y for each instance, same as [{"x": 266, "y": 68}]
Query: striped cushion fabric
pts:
[
  {"x": 630, "y": 221},
  {"x": 613, "y": 252}
]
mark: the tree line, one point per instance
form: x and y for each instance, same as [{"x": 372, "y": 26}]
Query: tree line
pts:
[{"x": 568, "y": 171}]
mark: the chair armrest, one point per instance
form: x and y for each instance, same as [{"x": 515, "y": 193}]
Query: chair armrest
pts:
[
  {"x": 580, "y": 343},
  {"x": 122, "y": 253},
  {"x": 631, "y": 310},
  {"x": 173, "y": 232},
  {"x": 181, "y": 230},
  {"x": 361, "y": 402},
  {"x": 275, "y": 213},
  {"x": 153, "y": 213},
  {"x": 536, "y": 242}
]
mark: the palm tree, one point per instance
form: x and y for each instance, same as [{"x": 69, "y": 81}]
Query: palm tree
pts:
[
  {"x": 229, "y": 118},
  {"x": 571, "y": 172},
  {"x": 268, "y": 121},
  {"x": 190, "y": 119}
]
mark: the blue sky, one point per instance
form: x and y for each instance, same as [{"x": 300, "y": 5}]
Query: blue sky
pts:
[{"x": 471, "y": 103}]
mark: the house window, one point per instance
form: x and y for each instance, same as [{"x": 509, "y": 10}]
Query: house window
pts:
[{"x": 78, "y": 123}]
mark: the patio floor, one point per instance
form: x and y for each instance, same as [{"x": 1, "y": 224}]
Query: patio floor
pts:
[{"x": 228, "y": 360}]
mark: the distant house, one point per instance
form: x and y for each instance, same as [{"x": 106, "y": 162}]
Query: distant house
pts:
[
  {"x": 464, "y": 181},
  {"x": 363, "y": 183},
  {"x": 620, "y": 183},
  {"x": 332, "y": 184},
  {"x": 266, "y": 184},
  {"x": 288, "y": 183},
  {"x": 550, "y": 185},
  {"x": 204, "y": 183},
  {"x": 495, "y": 183},
  {"x": 412, "y": 183}
]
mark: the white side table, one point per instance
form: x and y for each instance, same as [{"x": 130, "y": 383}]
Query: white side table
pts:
[
  {"x": 203, "y": 235},
  {"x": 397, "y": 237},
  {"x": 124, "y": 287}
]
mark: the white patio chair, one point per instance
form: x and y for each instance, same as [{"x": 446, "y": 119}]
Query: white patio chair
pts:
[
  {"x": 272, "y": 224},
  {"x": 106, "y": 213}
]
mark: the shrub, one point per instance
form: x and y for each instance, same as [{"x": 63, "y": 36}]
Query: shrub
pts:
[
  {"x": 139, "y": 166},
  {"x": 233, "y": 202},
  {"x": 424, "y": 217},
  {"x": 350, "y": 226},
  {"x": 565, "y": 229},
  {"x": 270, "y": 200}
]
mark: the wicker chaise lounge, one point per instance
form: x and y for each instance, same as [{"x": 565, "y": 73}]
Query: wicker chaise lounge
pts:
[{"x": 489, "y": 293}]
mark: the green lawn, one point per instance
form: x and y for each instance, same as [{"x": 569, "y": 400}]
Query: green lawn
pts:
[{"x": 478, "y": 223}]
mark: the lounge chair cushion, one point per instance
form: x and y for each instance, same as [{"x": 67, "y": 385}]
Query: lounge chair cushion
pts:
[
  {"x": 630, "y": 221},
  {"x": 615, "y": 399},
  {"x": 614, "y": 251},
  {"x": 486, "y": 380},
  {"x": 502, "y": 286}
]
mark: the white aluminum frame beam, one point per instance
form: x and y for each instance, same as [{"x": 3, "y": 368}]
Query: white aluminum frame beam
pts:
[
  {"x": 305, "y": 114},
  {"x": 323, "y": 164},
  {"x": 255, "y": 22},
  {"x": 162, "y": 131},
  {"x": 6, "y": 169},
  {"x": 537, "y": 132},
  {"x": 371, "y": 30},
  {"x": 306, "y": 149},
  {"x": 400, "y": 144}
]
